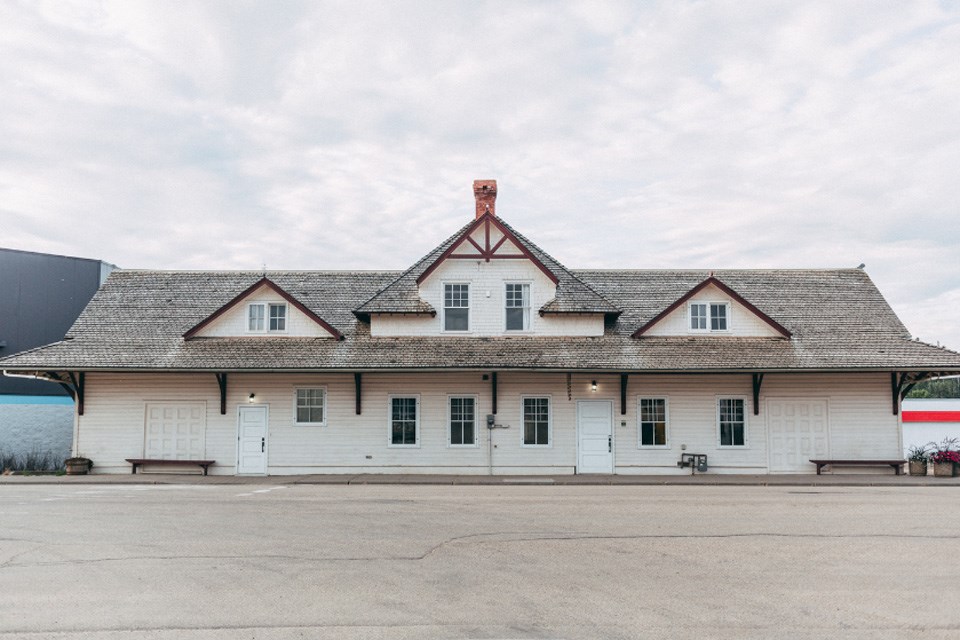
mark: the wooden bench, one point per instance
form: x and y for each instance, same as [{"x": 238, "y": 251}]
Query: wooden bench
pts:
[
  {"x": 139, "y": 462},
  {"x": 896, "y": 464}
]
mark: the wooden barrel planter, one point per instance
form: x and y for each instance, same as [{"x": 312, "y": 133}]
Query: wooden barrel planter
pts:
[{"x": 78, "y": 466}]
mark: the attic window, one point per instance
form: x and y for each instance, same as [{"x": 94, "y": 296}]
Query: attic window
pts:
[
  {"x": 270, "y": 317},
  {"x": 709, "y": 316}
]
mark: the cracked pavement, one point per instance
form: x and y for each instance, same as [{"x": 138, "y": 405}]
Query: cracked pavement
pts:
[{"x": 396, "y": 562}]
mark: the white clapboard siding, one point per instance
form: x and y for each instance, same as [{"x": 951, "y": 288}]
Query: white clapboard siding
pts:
[
  {"x": 487, "y": 302},
  {"x": 112, "y": 428}
]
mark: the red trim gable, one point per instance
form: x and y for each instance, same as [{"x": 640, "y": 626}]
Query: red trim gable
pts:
[
  {"x": 264, "y": 281},
  {"x": 712, "y": 280},
  {"x": 931, "y": 416},
  {"x": 487, "y": 253}
]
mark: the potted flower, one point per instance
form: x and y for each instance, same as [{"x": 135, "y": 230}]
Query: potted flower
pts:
[
  {"x": 945, "y": 458},
  {"x": 78, "y": 465},
  {"x": 918, "y": 455}
]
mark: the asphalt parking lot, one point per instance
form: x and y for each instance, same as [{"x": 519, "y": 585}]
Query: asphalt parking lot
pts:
[{"x": 276, "y": 561}]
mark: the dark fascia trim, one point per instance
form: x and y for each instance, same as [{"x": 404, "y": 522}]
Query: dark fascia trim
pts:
[
  {"x": 264, "y": 281},
  {"x": 712, "y": 280},
  {"x": 492, "y": 219}
]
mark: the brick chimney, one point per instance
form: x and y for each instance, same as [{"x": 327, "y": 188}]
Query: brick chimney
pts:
[{"x": 485, "y": 191}]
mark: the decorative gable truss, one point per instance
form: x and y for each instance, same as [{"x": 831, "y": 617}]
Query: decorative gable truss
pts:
[
  {"x": 263, "y": 309},
  {"x": 487, "y": 239},
  {"x": 712, "y": 308}
]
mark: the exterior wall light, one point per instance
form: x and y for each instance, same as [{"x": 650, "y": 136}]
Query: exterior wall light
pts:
[
  {"x": 252, "y": 397},
  {"x": 593, "y": 386}
]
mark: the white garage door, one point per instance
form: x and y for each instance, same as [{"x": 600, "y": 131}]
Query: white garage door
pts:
[
  {"x": 175, "y": 430},
  {"x": 798, "y": 430}
]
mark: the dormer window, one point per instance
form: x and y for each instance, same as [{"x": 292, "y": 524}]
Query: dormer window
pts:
[
  {"x": 456, "y": 307},
  {"x": 708, "y": 316},
  {"x": 267, "y": 317},
  {"x": 518, "y": 307}
]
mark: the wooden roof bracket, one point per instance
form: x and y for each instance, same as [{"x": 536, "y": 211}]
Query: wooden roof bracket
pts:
[
  {"x": 222, "y": 383},
  {"x": 357, "y": 382},
  {"x": 78, "y": 385},
  {"x": 757, "y": 383},
  {"x": 901, "y": 385},
  {"x": 623, "y": 393}
]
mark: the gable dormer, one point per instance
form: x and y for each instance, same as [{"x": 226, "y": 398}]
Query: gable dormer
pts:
[
  {"x": 487, "y": 280},
  {"x": 712, "y": 309},
  {"x": 263, "y": 310}
]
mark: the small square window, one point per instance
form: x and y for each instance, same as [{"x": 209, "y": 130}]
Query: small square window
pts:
[
  {"x": 698, "y": 317},
  {"x": 278, "y": 317},
  {"x": 255, "y": 317},
  {"x": 311, "y": 406}
]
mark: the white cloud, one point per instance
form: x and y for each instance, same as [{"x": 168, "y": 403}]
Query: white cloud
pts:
[{"x": 346, "y": 135}]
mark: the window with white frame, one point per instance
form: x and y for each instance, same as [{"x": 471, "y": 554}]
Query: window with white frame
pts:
[
  {"x": 404, "y": 421},
  {"x": 536, "y": 421},
  {"x": 653, "y": 422},
  {"x": 456, "y": 307},
  {"x": 732, "y": 422},
  {"x": 518, "y": 307},
  {"x": 708, "y": 316},
  {"x": 267, "y": 316},
  {"x": 463, "y": 421},
  {"x": 310, "y": 406}
]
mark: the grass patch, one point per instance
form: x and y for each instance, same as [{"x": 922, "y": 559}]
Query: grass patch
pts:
[{"x": 31, "y": 462}]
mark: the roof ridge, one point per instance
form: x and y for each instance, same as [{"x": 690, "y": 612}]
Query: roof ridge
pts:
[{"x": 560, "y": 264}]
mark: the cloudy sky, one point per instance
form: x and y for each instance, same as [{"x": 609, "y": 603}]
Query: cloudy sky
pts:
[{"x": 344, "y": 135}]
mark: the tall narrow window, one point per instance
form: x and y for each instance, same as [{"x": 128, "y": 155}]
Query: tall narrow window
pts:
[
  {"x": 310, "y": 406},
  {"x": 718, "y": 317},
  {"x": 456, "y": 307},
  {"x": 536, "y": 421},
  {"x": 730, "y": 415},
  {"x": 403, "y": 421},
  {"x": 653, "y": 422},
  {"x": 255, "y": 317},
  {"x": 278, "y": 317},
  {"x": 463, "y": 421},
  {"x": 698, "y": 316},
  {"x": 518, "y": 307}
]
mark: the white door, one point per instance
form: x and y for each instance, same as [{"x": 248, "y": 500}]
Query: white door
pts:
[
  {"x": 595, "y": 429},
  {"x": 798, "y": 430},
  {"x": 252, "y": 440},
  {"x": 175, "y": 430}
]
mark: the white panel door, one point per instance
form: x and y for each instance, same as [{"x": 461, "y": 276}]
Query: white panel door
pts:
[
  {"x": 595, "y": 436},
  {"x": 798, "y": 430},
  {"x": 175, "y": 430},
  {"x": 252, "y": 440}
]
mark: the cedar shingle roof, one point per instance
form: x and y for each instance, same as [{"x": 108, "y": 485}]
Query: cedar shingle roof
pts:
[{"x": 838, "y": 321}]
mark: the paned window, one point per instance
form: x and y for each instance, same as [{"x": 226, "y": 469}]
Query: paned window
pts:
[
  {"x": 518, "y": 307},
  {"x": 536, "y": 421},
  {"x": 463, "y": 421},
  {"x": 718, "y": 317},
  {"x": 403, "y": 421},
  {"x": 311, "y": 406},
  {"x": 730, "y": 415},
  {"x": 698, "y": 316},
  {"x": 456, "y": 307},
  {"x": 267, "y": 317},
  {"x": 710, "y": 316},
  {"x": 255, "y": 317},
  {"x": 653, "y": 422},
  {"x": 278, "y": 317}
]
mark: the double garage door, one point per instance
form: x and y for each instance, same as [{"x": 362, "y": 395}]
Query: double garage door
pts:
[
  {"x": 797, "y": 430},
  {"x": 175, "y": 430}
]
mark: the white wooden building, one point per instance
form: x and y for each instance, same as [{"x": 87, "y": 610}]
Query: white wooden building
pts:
[{"x": 487, "y": 356}]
